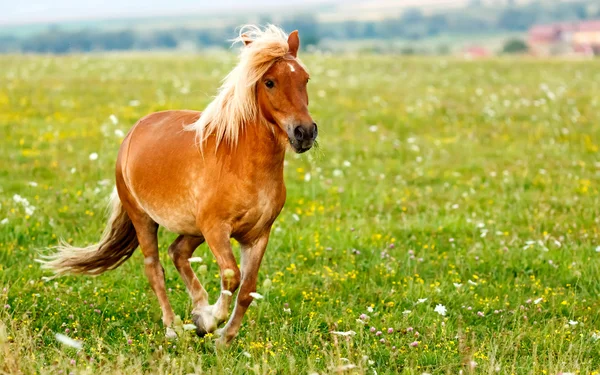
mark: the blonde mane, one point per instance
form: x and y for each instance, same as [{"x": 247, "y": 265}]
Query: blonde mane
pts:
[{"x": 236, "y": 102}]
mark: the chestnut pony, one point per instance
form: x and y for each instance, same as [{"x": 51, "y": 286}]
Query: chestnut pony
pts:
[{"x": 208, "y": 176}]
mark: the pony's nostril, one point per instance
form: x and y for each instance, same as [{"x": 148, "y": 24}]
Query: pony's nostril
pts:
[
  {"x": 299, "y": 133},
  {"x": 315, "y": 131}
]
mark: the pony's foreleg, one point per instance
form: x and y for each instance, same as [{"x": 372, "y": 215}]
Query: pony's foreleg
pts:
[
  {"x": 180, "y": 252},
  {"x": 209, "y": 317},
  {"x": 251, "y": 258}
]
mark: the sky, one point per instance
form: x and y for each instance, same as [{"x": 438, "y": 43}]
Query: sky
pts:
[{"x": 33, "y": 11}]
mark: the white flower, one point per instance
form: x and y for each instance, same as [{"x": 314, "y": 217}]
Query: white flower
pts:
[
  {"x": 406, "y": 312},
  {"x": 119, "y": 133},
  {"x": 33, "y": 183},
  {"x": 458, "y": 285},
  {"x": 421, "y": 300},
  {"x": 598, "y": 249},
  {"x": 573, "y": 322},
  {"x": 246, "y": 354},
  {"x": 134, "y": 103},
  {"x": 337, "y": 173},
  {"x": 595, "y": 336},
  {"x": 195, "y": 260},
  {"x": 29, "y": 210},
  {"x": 189, "y": 327},
  {"x": 370, "y": 309},
  {"x": 472, "y": 282},
  {"x": 347, "y": 333},
  {"x": 114, "y": 119},
  {"x": 373, "y": 128},
  {"x": 440, "y": 309},
  {"x": 73, "y": 170},
  {"x": 307, "y": 177},
  {"x": 4, "y": 221},
  {"x": 296, "y": 217},
  {"x": 256, "y": 295},
  {"x": 66, "y": 340},
  {"x": 94, "y": 156},
  {"x": 347, "y": 163},
  {"x": 537, "y": 301}
]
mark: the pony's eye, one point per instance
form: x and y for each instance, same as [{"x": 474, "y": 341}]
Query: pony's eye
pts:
[{"x": 269, "y": 84}]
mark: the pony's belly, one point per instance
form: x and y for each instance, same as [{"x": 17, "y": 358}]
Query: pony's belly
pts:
[{"x": 175, "y": 220}]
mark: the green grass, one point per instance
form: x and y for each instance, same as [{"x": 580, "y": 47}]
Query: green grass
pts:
[{"x": 473, "y": 185}]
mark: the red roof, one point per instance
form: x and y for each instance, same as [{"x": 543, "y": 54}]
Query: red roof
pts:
[{"x": 589, "y": 25}]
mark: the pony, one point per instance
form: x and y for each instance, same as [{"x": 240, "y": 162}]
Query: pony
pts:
[{"x": 208, "y": 176}]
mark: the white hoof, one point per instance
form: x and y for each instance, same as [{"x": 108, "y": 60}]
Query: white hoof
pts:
[{"x": 171, "y": 334}]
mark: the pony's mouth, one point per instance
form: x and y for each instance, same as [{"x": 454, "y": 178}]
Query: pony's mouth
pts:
[{"x": 300, "y": 147}]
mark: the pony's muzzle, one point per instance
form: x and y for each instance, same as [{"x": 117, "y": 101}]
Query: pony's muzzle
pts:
[{"x": 303, "y": 137}]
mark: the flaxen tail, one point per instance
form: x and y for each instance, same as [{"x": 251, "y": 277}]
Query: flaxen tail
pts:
[{"x": 117, "y": 244}]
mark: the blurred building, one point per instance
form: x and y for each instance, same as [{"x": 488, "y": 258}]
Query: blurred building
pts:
[{"x": 567, "y": 38}]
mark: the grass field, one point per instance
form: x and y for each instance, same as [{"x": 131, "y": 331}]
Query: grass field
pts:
[{"x": 469, "y": 188}]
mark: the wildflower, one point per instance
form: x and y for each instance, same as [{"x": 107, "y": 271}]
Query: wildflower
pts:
[
  {"x": 72, "y": 362},
  {"x": 537, "y": 301},
  {"x": 256, "y": 295},
  {"x": 373, "y": 128},
  {"x": 378, "y": 333},
  {"x": 382, "y": 341},
  {"x": 66, "y": 340},
  {"x": 363, "y": 317},
  {"x": 406, "y": 312},
  {"x": 4, "y": 221},
  {"x": 414, "y": 344},
  {"x": 409, "y": 329},
  {"x": 458, "y": 285},
  {"x": 370, "y": 309},
  {"x": 32, "y": 183},
  {"x": 114, "y": 119},
  {"x": 94, "y": 156},
  {"x": 372, "y": 329},
  {"x": 479, "y": 313},
  {"x": 440, "y": 309},
  {"x": 129, "y": 342},
  {"x": 119, "y": 133},
  {"x": 390, "y": 330},
  {"x": 573, "y": 322},
  {"x": 195, "y": 260},
  {"x": 347, "y": 333},
  {"x": 267, "y": 283},
  {"x": 189, "y": 327},
  {"x": 421, "y": 300}
]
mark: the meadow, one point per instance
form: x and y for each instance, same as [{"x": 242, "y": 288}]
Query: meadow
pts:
[{"x": 447, "y": 223}]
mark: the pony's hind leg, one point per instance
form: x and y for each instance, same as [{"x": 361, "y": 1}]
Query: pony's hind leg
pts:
[
  {"x": 180, "y": 252},
  {"x": 147, "y": 234},
  {"x": 208, "y": 318}
]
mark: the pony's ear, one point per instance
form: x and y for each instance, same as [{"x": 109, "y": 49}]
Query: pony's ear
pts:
[
  {"x": 294, "y": 43},
  {"x": 246, "y": 39}
]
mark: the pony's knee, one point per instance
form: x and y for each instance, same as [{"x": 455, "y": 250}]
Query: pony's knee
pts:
[{"x": 231, "y": 279}]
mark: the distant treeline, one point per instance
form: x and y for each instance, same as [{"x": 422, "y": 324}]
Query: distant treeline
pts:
[{"x": 411, "y": 25}]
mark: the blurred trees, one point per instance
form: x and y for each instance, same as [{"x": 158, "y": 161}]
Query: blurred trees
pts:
[
  {"x": 411, "y": 24},
  {"x": 515, "y": 46}
]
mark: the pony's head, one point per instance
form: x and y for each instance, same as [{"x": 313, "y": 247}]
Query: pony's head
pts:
[
  {"x": 268, "y": 85},
  {"x": 283, "y": 99}
]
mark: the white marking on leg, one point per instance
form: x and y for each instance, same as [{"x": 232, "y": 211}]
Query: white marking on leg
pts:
[
  {"x": 291, "y": 67},
  {"x": 148, "y": 260},
  {"x": 226, "y": 292}
]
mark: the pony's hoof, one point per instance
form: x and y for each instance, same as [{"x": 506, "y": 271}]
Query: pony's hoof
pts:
[
  {"x": 202, "y": 326},
  {"x": 170, "y": 334}
]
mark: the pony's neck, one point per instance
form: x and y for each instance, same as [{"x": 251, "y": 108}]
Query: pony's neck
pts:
[{"x": 263, "y": 140}]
